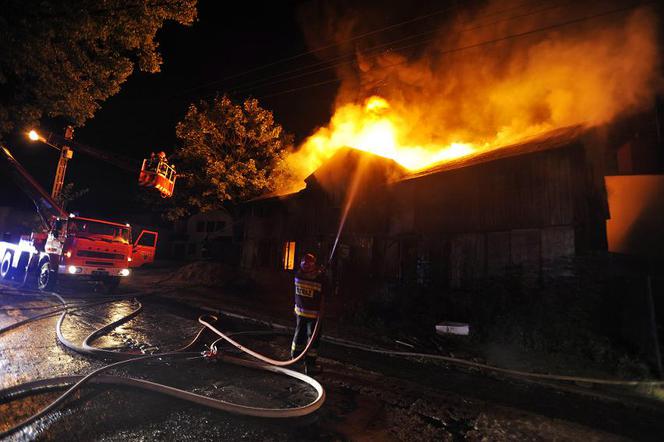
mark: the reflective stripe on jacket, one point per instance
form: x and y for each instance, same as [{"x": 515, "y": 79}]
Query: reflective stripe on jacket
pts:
[{"x": 308, "y": 292}]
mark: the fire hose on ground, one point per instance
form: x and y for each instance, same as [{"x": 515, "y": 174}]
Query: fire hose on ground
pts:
[
  {"x": 431, "y": 356},
  {"x": 272, "y": 365},
  {"x": 97, "y": 376}
]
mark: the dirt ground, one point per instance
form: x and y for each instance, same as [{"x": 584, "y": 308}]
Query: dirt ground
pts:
[{"x": 369, "y": 397}]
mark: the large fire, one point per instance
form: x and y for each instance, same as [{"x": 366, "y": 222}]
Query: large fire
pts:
[
  {"x": 373, "y": 127},
  {"x": 432, "y": 107}
]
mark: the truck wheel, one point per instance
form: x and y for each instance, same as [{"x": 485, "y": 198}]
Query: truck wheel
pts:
[
  {"x": 111, "y": 283},
  {"x": 45, "y": 277},
  {"x": 6, "y": 266}
]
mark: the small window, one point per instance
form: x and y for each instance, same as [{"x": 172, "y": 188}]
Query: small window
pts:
[
  {"x": 289, "y": 255},
  {"x": 221, "y": 225},
  {"x": 200, "y": 226},
  {"x": 210, "y": 226}
]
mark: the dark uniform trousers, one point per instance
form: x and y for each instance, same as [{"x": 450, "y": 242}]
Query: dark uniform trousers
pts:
[
  {"x": 304, "y": 329},
  {"x": 308, "y": 292}
]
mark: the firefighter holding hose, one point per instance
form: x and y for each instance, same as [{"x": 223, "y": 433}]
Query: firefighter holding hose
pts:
[{"x": 309, "y": 289}]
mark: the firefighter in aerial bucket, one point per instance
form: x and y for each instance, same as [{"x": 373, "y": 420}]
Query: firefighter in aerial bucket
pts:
[{"x": 309, "y": 288}]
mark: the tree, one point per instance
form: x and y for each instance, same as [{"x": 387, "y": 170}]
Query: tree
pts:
[
  {"x": 229, "y": 152},
  {"x": 63, "y": 58}
]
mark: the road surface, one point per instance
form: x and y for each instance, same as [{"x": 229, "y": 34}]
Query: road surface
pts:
[{"x": 369, "y": 397}]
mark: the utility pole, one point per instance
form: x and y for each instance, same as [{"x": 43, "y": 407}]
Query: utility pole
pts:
[{"x": 66, "y": 154}]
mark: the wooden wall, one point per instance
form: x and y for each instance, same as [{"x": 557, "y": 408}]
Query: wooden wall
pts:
[{"x": 447, "y": 228}]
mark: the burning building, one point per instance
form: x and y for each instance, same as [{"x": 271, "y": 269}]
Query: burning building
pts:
[
  {"x": 524, "y": 205},
  {"x": 483, "y": 156}
]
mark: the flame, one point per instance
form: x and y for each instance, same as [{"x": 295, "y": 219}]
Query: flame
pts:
[
  {"x": 374, "y": 128},
  {"x": 431, "y": 108}
]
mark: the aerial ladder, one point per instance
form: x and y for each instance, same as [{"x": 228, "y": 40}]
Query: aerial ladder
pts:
[
  {"x": 46, "y": 207},
  {"x": 155, "y": 171}
]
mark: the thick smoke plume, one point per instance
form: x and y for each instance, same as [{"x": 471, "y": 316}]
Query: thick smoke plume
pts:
[{"x": 440, "y": 96}]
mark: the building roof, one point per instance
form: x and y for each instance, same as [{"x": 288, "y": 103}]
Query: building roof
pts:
[
  {"x": 550, "y": 140},
  {"x": 276, "y": 194},
  {"x": 342, "y": 166},
  {"x": 344, "y": 161}
]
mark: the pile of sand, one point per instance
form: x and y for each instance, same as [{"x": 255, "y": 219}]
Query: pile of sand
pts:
[{"x": 206, "y": 273}]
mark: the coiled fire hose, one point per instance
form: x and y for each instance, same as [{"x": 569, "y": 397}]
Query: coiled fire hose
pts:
[{"x": 75, "y": 382}]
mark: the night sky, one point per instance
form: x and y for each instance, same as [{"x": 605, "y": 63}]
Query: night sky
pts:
[
  {"x": 226, "y": 41},
  {"x": 142, "y": 117}
]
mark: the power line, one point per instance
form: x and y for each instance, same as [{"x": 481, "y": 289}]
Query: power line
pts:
[
  {"x": 262, "y": 82},
  {"x": 386, "y": 44},
  {"x": 528, "y": 3},
  {"x": 322, "y": 48},
  {"x": 349, "y": 57},
  {"x": 484, "y": 43},
  {"x": 320, "y": 83}
]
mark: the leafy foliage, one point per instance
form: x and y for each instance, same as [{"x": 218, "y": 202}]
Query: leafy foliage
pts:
[
  {"x": 62, "y": 58},
  {"x": 229, "y": 152}
]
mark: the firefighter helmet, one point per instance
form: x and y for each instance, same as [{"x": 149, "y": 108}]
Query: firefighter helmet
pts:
[{"x": 308, "y": 263}]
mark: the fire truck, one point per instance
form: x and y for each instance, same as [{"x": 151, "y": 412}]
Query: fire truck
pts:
[{"x": 69, "y": 246}]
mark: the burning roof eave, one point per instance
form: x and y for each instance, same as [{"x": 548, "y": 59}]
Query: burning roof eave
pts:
[
  {"x": 554, "y": 139},
  {"x": 274, "y": 195},
  {"x": 348, "y": 159},
  {"x": 550, "y": 140}
]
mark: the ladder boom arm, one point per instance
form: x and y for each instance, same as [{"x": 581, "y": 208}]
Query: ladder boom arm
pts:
[
  {"x": 46, "y": 207},
  {"x": 116, "y": 160}
]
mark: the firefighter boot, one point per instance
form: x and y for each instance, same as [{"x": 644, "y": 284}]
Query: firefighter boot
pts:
[
  {"x": 299, "y": 366},
  {"x": 310, "y": 366}
]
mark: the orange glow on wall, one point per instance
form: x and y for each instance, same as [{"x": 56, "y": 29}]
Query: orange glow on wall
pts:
[{"x": 636, "y": 208}]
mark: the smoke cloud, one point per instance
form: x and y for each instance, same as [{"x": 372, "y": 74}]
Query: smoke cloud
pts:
[{"x": 484, "y": 77}]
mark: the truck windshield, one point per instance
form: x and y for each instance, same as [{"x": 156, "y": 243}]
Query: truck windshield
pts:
[{"x": 84, "y": 228}]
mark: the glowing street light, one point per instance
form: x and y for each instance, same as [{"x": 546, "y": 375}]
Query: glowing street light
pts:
[
  {"x": 65, "y": 155},
  {"x": 36, "y": 136},
  {"x": 33, "y": 135}
]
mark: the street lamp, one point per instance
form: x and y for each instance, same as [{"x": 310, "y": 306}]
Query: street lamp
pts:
[
  {"x": 65, "y": 155},
  {"x": 33, "y": 135}
]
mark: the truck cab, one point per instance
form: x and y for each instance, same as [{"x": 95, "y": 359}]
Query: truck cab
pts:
[
  {"x": 97, "y": 249},
  {"x": 91, "y": 247}
]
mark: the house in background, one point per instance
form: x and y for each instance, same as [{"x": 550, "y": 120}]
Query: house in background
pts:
[{"x": 204, "y": 235}]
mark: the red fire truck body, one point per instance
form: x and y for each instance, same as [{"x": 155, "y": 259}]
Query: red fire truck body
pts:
[
  {"x": 97, "y": 247},
  {"x": 70, "y": 245},
  {"x": 81, "y": 248}
]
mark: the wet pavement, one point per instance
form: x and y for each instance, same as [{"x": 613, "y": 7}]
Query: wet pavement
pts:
[{"x": 369, "y": 397}]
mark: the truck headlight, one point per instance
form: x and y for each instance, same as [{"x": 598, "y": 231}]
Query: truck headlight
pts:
[
  {"x": 124, "y": 272},
  {"x": 73, "y": 270}
]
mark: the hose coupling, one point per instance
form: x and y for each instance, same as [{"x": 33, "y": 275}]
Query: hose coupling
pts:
[{"x": 210, "y": 354}]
